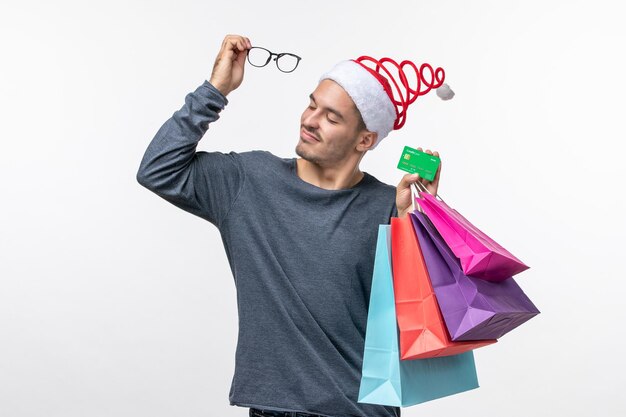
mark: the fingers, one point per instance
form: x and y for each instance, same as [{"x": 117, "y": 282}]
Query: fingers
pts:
[
  {"x": 429, "y": 152},
  {"x": 229, "y": 65},
  {"x": 232, "y": 48},
  {"x": 436, "y": 179},
  {"x": 407, "y": 180},
  {"x": 240, "y": 58},
  {"x": 235, "y": 43},
  {"x": 247, "y": 42}
]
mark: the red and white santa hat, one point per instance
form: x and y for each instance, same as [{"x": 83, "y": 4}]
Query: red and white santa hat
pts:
[{"x": 382, "y": 97}]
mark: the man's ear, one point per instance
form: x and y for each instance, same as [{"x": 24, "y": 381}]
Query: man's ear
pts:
[{"x": 366, "y": 140}]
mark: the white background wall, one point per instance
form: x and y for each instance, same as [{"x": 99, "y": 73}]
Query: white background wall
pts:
[{"x": 116, "y": 303}]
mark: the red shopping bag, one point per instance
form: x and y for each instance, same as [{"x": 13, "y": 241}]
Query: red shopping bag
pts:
[{"x": 423, "y": 333}]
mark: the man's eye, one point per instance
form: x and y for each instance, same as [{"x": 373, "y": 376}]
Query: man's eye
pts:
[{"x": 332, "y": 121}]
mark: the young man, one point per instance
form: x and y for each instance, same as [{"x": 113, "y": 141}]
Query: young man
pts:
[{"x": 299, "y": 234}]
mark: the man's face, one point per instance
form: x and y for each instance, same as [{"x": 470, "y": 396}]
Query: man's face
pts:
[{"x": 329, "y": 126}]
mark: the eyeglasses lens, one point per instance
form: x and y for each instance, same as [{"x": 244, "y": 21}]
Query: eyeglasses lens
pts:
[
  {"x": 258, "y": 57},
  {"x": 287, "y": 63}
]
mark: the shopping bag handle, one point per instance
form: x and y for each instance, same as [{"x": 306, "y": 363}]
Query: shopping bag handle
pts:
[
  {"x": 415, "y": 193},
  {"x": 422, "y": 187}
]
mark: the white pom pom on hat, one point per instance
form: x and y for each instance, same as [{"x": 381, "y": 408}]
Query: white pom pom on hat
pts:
[{"x": 371, "y": 90}]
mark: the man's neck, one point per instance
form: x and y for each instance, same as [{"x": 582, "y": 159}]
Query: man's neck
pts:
[{"x": 329, "y": 178}]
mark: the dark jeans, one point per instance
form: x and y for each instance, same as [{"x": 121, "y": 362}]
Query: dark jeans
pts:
[{"x": 255, "y": 412}]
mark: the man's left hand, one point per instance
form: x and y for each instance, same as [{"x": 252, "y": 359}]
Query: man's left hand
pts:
[{"x": 403, "y": 190}]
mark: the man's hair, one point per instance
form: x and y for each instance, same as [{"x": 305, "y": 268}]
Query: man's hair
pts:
[{"x": 361, "y": 124}]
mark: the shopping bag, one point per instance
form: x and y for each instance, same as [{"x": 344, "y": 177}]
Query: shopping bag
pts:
[
  {"x": 423, "y": 333},
  {"x": 480, "y": 256},
  {"x": 473, "y": 308},
  {"x": 387, "y": 380}
]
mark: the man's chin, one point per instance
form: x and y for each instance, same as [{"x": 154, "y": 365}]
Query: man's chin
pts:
[{"x": 302, "y": 153}]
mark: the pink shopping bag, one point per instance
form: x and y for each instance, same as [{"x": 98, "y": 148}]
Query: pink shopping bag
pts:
[{"x": 480, "y": 256}]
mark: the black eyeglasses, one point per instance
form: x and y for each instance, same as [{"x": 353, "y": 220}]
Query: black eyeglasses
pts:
[{"x": 260, "y": 57}]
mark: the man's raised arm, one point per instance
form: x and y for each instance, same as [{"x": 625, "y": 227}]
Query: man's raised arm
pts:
[{"x": 203, "y": 183}]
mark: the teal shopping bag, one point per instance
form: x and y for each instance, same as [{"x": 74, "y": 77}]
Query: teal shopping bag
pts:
[{"x": 387, "y": 380}]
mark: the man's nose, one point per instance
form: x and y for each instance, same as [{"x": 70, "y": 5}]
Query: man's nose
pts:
[{"x": 311, "y": 118}]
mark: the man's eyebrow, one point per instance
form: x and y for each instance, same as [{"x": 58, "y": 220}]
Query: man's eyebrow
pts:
[{"x": 330, "y": 109}]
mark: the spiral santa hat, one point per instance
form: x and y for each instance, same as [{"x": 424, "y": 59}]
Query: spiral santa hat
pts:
[{"x": 381, "y": 97}]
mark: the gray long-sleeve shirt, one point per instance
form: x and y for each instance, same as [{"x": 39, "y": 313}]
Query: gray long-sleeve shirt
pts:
[{"x": 301, "y": 258}]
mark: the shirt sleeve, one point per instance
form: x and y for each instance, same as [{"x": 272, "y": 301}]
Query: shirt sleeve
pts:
[{"x": 205, "y": 184}]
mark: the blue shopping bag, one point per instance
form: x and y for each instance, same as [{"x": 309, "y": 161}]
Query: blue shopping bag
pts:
[{"x": 387, "y": 380}]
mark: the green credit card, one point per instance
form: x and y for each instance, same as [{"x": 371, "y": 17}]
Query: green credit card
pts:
[{"x": 414, "y": 161}]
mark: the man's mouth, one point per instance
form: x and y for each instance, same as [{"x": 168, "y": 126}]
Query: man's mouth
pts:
[{"x": 308, "y": 136}]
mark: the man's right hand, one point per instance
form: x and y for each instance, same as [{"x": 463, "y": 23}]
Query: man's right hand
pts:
[{"x": 227, "y": 72}]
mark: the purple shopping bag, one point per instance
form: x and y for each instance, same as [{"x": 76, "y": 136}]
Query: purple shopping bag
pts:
[
  {"x": 480, "y": 255},
  {"x": 472, "y": 308}
]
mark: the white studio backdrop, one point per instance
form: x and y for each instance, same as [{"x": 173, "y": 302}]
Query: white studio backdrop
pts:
[{"x": 115, "y": 303}]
